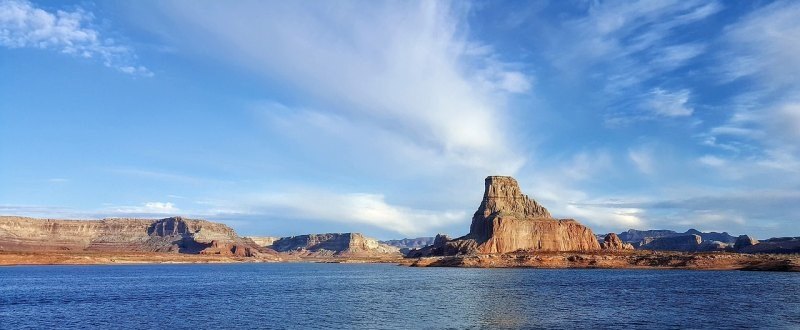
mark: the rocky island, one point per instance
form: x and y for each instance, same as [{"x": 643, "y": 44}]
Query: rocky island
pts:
[{"x": 509, "y": 229}]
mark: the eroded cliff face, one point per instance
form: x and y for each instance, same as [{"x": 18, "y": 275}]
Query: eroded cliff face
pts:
[
  {"x": 335, "y": 245},
  {"x": 509, "y": 221},
  {"x": 174, "y": 234}
]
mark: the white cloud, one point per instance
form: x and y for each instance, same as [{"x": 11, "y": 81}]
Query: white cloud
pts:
[
  {"x": 789, "y": 117},
  {"x": 403, "y": 68},
  {"x": 668, "y": 104},
  {"x": 765, "y": 44},
  {"x": 22, "y": 25},
  {"x": 514, "y": 82},
  {"x": 148, "y": 208},
  {"x": 327, "y": 206},
  {"x": 712, "y": 161},
  {"x": 762, "y": 129},
  {"x": 585, "y": 165},
  {"x": 630, "y": 39},
  {"x": 642, "y": 158},
  {"x": 672, "y": 57}
]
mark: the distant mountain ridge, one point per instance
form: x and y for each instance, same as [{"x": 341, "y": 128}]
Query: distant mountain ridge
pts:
[
  {"x": 334, "y": 245},
  {"x": 410, "y": 243},
  {"x": 172, "y": 235},
  {"x": 642, "y": 237}
]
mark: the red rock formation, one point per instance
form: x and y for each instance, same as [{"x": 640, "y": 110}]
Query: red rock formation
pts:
[
  {"x": 613, "y": 242},
  {"x": 231, "y": 249},
  {"x": 508, "y": 221},
  {"x": 175, "y": 234}
]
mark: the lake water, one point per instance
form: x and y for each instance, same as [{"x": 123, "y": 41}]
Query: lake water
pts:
[{"x": 375, "y": 296}]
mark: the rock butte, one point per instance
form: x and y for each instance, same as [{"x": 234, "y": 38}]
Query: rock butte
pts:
[{"x": 509, "y": 221}]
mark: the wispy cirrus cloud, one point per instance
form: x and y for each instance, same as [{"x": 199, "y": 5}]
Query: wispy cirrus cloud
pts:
[
  {"x": 23, "y": 25},
  {"x": 427, "y": 83},
  {"x": 668, "y": 104},
  {"x": 759, "y": 137}
]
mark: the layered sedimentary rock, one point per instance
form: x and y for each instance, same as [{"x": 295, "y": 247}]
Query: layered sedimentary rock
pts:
[
  {"x": 689, "y": 243},
  {"x": 783, "y": 245},
  {"x": 638, "y": 238},
  {"x": 508, "y": 221},
  {"x": 233, "y": 249},
  {"x": 722, "y": 237},
  {"x": 174, "y": 234},
  {"x": 335, "y": 245},
  {"x": 613, "y": 242}
]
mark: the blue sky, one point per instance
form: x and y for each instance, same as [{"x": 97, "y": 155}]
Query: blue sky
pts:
[{"x": 285, "y": 118}]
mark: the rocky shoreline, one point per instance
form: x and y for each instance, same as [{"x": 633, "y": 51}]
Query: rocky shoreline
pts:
[
  {"x": 618, "y": 260},
  {"x": 545, "y": 260}
]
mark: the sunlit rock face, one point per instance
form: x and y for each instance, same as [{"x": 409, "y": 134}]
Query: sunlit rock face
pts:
[
  {"x": 174, "y": 234},
  {"x": 335, "y": 245},
  {"x": 613, "y": 242},
  {"x": 509, "y": 221}
]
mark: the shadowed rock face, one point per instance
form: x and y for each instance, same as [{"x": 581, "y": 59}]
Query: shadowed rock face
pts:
[
  {"x": 638, "y": 238},
  {"x": 410, "y": 243},
  {"x": 175, "y": 234},
  {"x": 786, "y": 245},
  {"x": 509, "y": 221},
  {"x": 688, "y": 243},
  {"x": 744, "y": 241},
  {"x": 334, "y": 244}
]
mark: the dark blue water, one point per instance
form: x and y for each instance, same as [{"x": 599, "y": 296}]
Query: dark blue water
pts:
[{"x": 306, "y": 296}]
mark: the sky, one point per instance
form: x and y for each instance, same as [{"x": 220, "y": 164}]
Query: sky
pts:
[{"x": 285, "y": 118}]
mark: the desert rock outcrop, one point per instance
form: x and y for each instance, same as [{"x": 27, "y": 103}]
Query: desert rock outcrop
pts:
[
  {"x": 174, "y": 234},
  {"x": 613, "y": 242},
  {"x": 509, "y": 221},
  {"x": 335, "y": 245},
  {"x": 744, "y": 241},
  {"x": 783, "y": 245},
  {"x": 688, "y": 243}
]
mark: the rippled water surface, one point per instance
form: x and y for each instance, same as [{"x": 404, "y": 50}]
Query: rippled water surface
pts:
[{"x": 303, "y": 296}]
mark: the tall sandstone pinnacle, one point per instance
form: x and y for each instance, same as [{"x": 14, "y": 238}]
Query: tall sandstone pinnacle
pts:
[{"x": 509, "y": 221}]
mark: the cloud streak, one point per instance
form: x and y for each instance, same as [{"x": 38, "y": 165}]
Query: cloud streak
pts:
[{"x": 423, "y": 82}]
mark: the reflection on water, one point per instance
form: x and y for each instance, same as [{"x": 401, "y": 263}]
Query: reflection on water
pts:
[{"x": 301, "y": 296}]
